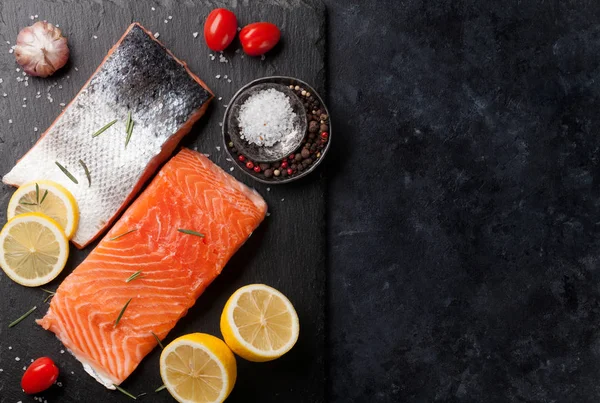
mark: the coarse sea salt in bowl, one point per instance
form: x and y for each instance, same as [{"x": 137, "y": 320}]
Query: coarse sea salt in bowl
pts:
[{"x": 277, "y": 129}]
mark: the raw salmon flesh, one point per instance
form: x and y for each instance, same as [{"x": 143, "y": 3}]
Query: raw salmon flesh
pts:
[{"x": 189, "y": 193}]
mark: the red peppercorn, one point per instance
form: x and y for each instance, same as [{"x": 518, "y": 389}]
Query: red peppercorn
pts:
[
  {"x": 249, "y": 165},
  {"x": 324, "y": 135},
  {"x": 292, "y": 156},
  {"x": 290, "y": 171},
  {"x": 242, "y": 158},
  {"x": 284, "y": 164},
  {"x": 257, "y": 169}
]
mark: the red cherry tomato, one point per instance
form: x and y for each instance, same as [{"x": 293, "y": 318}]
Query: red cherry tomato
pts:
[
  {"x": 260, "y": 37},
  {"x": 220, "y": 29},
  {"x": 40, "y": 375}
]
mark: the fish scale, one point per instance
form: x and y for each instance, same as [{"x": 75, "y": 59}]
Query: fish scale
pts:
[{"x": 139, "y": 75}]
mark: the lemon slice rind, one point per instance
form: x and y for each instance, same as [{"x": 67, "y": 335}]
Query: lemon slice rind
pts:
[
  {"x": 242, "y": 347},
  {"x": 57, "y": 190},
  {"x": 58, "y": 233}
]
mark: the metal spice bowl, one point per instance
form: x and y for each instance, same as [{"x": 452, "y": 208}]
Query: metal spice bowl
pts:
[{"x": 240, "y": 146}]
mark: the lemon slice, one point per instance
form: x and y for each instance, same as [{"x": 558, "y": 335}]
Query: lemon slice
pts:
[
  {"x": 198, "y": 368},
  {"x": 58, "y": 204},
  {"x": 33, "y": 249},
  {"x": 259, "y": 323}
]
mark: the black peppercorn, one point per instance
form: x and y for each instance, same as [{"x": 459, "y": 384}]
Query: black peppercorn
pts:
[
  {"x": 283, "y": 173},
  {"x": 312, "y": 136},
  {"x": 263, "y": 166},
  {"x": 300, "y": 167},
  {"x": 305, "y": 153},
  {"x": 298, "y": 157},
  {"x": 313, "y": 147},
  {"x": 324, "y": 128},
  {"x": 268, "y": 173},
  {"x": 313, "y": 126},
  {"x": 294, "y": 167},
  {"x": 307, "y": 162}
]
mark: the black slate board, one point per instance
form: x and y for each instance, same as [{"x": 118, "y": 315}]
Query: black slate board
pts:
[{"x": 287, "y": 251}]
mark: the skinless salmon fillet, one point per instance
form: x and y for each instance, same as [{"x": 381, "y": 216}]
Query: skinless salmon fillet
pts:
[
  {"x": 138, "y": 76},
  {"x": 189, "y": 193}
]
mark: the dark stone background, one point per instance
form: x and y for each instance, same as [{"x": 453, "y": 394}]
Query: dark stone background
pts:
[{"x": 464, "y": 211}]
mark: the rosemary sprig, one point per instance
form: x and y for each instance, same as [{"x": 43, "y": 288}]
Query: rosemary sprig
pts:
[
  {"x": 160, "y": 388},
  {"x": 50, "y": 294},
  {"x": 27, "y": 203},
  {"x": 123, "y": 391},
  {"x": 25, "y": 315},
  {"x": 37, "y": 193},
  {"x": 134, "y": 276},
  {"x": 128, "y": 122},
  {"x": 87, "y": 172},
  {"x": 67, "y": 173},
  {"x": 122, "y": 235},
  {"x": 190, "y": 232},
  {"x": 158, "y": 340},
  {"x": 44, "y": 197},
  {"x": 105, "y": 128},
  {"x": 129, "y": 132},
  {"x": 122, "y": 312}
]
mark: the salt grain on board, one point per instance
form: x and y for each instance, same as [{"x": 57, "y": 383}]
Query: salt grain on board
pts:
[
  {"x": 195, "y": 34},
  {"x": 17, "y": 359},
  {"x": 95, "y": 37},
  {"x": 156, "y": 34},
  {"x": 231, "y": 169}
]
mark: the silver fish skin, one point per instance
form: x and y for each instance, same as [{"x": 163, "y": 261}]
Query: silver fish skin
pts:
[{"x": 140, "y": 77}]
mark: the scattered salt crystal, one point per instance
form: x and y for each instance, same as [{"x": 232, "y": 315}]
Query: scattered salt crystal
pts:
[
  {"x": 229, "y": 80},
  {"x": 72, "y": 373},
  {"x": 237, "y": 51},
  {"x": 1, "y": 370},
  {"x": 59, "y": 384},
  {"x": 62, "y": 351},
  {"x": 156, "y": 34},
  {"x": 1, "y": 81},
  {"x": 17, "y": 359},
  {"x": 239, "y": 29},
  {"x": 220, "y": 124},
  {"x": 36, "y": 16},
  {"x": 95, "y": 37},
  {"x": 62, "y": 104},
  {"x": 225, "y": 76},
  {"x": 24, "y": 368},
  {"x": 218, "y": 148},
  {"x": 24, "y": 99},
  {"x": 57, "y": 25},
  {"x": 166, "y": 21},
  {"x": 31, "y": 17},
  {"x": 153, "y": 9},
  {"x": 283, "y": 199},
  {"x": 195, "y": 34},
  {"x": 35, "y": 129},
  {"x": 223, "y": 59},
  {"x": 231, "y": 169},
  {"x": 206, "y": 155},
  {"x": 263, "y": 57},
  {"x": 8, "y": 42},
  {"x": 32, "y": 360},
  {"x": 76, "y": 69},
  {"x": 268, "y": 189},
  {"x": 60, "y": 87},
  {"x": 10, "y": 122},
  {"x": 5, "y": 95},
  {"x": 218, "y": 76},
  {"x": 10, "y": 347},
  {"x": 18, "y": 70},
  {"x": 220, "y": 98},
  {"x": 228, "y": 159},
  {"x": 170, "y": 17},
  {"x": 268, "y": 214},
  {"x": 24, "y": 105}
]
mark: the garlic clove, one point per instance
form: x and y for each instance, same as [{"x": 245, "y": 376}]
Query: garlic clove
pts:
[{"x": 41, "y": 49}]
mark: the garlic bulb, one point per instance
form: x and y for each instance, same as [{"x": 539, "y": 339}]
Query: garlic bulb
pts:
[{"x": 41, "y": 49}]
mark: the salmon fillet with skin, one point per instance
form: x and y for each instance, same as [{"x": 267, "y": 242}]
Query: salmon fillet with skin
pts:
[
  {"x": 138, "y": 76},
  {"x": 190, "y": 193}
]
